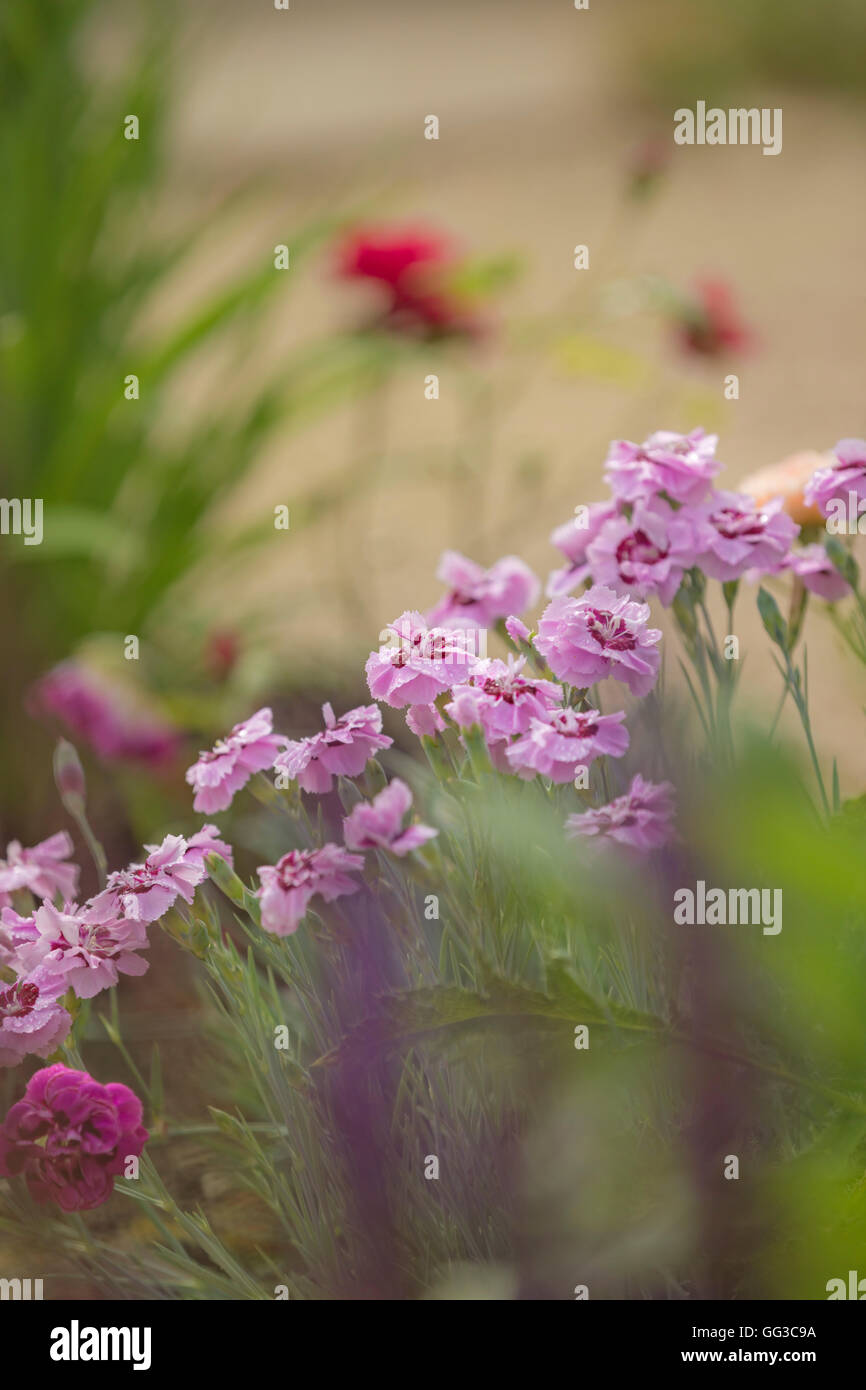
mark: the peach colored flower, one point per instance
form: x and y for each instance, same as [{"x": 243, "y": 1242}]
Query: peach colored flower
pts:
[{"x": 787, "y": 480}]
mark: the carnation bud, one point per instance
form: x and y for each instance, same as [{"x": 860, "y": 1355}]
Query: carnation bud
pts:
[
  {"x": 69, "y": 777},
  {"x": 225, "y": 879}
]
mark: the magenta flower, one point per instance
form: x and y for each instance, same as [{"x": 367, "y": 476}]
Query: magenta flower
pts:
[
  {"x": 678, "y": 465},
  {"x": 40, "y": 870},
  {"x": 813, "y": 566},
  {"x": 250, "y": 747},
  {"x": 573, "y": 539},
  {"x": 649, "y": 552},
  {"x": 419, "y": 663},
  {"x": 89, "y": 956},
  {"x": 288, "y": 885},
  {"x": 567, "y": 740},
  {"x": 477, "y": 597},
  {"x": 145, "y": 892},
  {"x": 342, "y": 750},
  {"x": 31, "y": 1018},
  {"x": 642, "y": 819},
  {"x": 500, "y": 698},
  {"x": 103, "y": 713},
  {"x": 847, "y": 475},
  {"x": 379, "y": 824},
  {"x": 424, "y": 721},
  {"x": 600, "y": 634},
  {"x": 743, "y": 536},
  {"x": 69, "y": 1137}
]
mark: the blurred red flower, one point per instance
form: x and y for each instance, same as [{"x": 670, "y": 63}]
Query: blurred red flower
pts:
[
  {"x": 413, "y": 266},
  {"x": 709, "y": 324}
]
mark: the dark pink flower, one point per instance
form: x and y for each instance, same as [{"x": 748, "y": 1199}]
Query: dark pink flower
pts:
[
  {"x": 32, "y": 1020},
  {"x": 502, "y": 699},
  {"x": 641, "y": 820},
  {"x": 40, "y": 870},
  {"x": 250, "y": 747},
  {"x": 679, "y": 465},
  {"x": 566, "y": 740},
  {"x": 813, "y": 566},
  {"x": 104, "y": 714},
  {"x": 88, "y": 955},
  {"x": 70, "y": 1136},
  {"x": 379, "y": 824},
  {"x": 845, "y": 476},
  {"x": 477, "y": 597},
  {"x": 600, "y": 634},
  {"x": 739, "y": 536},
  {"x": 573, "y": 538},
  {"x": 343, "y": 749},
  {"x": 709, "y": 325},
  {"x": 145, "y": 892},
  {"x": 288, "y": 885},
  {"x": 648, "y": 553},
  {"x": 419, "y": 662}
]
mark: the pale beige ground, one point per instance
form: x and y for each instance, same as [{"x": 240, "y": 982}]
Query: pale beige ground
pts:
[{"x": 537, "y": 125}]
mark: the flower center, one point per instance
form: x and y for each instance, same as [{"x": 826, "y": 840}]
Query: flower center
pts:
[
  {"x": 573, "y": 724},
  {"x": 19, "y": 1000},
  {"x": 609, "y": 631},
  {"x": 733, "y": 524},
  {"x": 295, "y": 869},
  {"x": 638, "y": 549}
]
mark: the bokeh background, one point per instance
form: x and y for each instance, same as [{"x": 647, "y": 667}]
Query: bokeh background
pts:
[{"x": 261, "y": 127}]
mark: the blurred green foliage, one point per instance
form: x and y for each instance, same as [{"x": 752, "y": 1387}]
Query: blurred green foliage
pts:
[{"x": 133, "y": 488}]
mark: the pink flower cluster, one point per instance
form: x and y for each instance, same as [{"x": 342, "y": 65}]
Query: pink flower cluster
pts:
[
  {"x": 60, "y": 946},
  {"x": 665, "y": 518}
]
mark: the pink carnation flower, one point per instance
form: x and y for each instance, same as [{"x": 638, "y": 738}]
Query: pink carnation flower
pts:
[
  {"x": 642, "y": 819},
  {"x": 647, "y": 553},
  {"x": 567, "y": 740},
  {"x": 70, "y": 1136},
  {"x": 479, "y": 597},
  {"x": 89, "y": 956},
  {"x": 517, "y": 630},
  {"x": 743, "y": 536},
  {"x": 813, "y": 566},
  {"x": 846, "y": 475},
  {"x": 424, "y": 721},
  {"x": 680, "y": 465},
  {"x": 573, "y": 539},
  {"x": 145, "y": 892},
  {"x": 342, "y": 750},
  {"x": 103, "y": 713},
  {"x": 288, "y": 885},
  {"x": 419, "y": 664},
  {"x": 31, "y": 1018},
  {"x": 500, "y": 698},
  {"x": 600, "y": 634},
  {"x": 379, "y": 824},
  {"x": 203, "y": 842},
  {"x": 40, "y": 870},
  {"x": 250, "y": 747}
]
